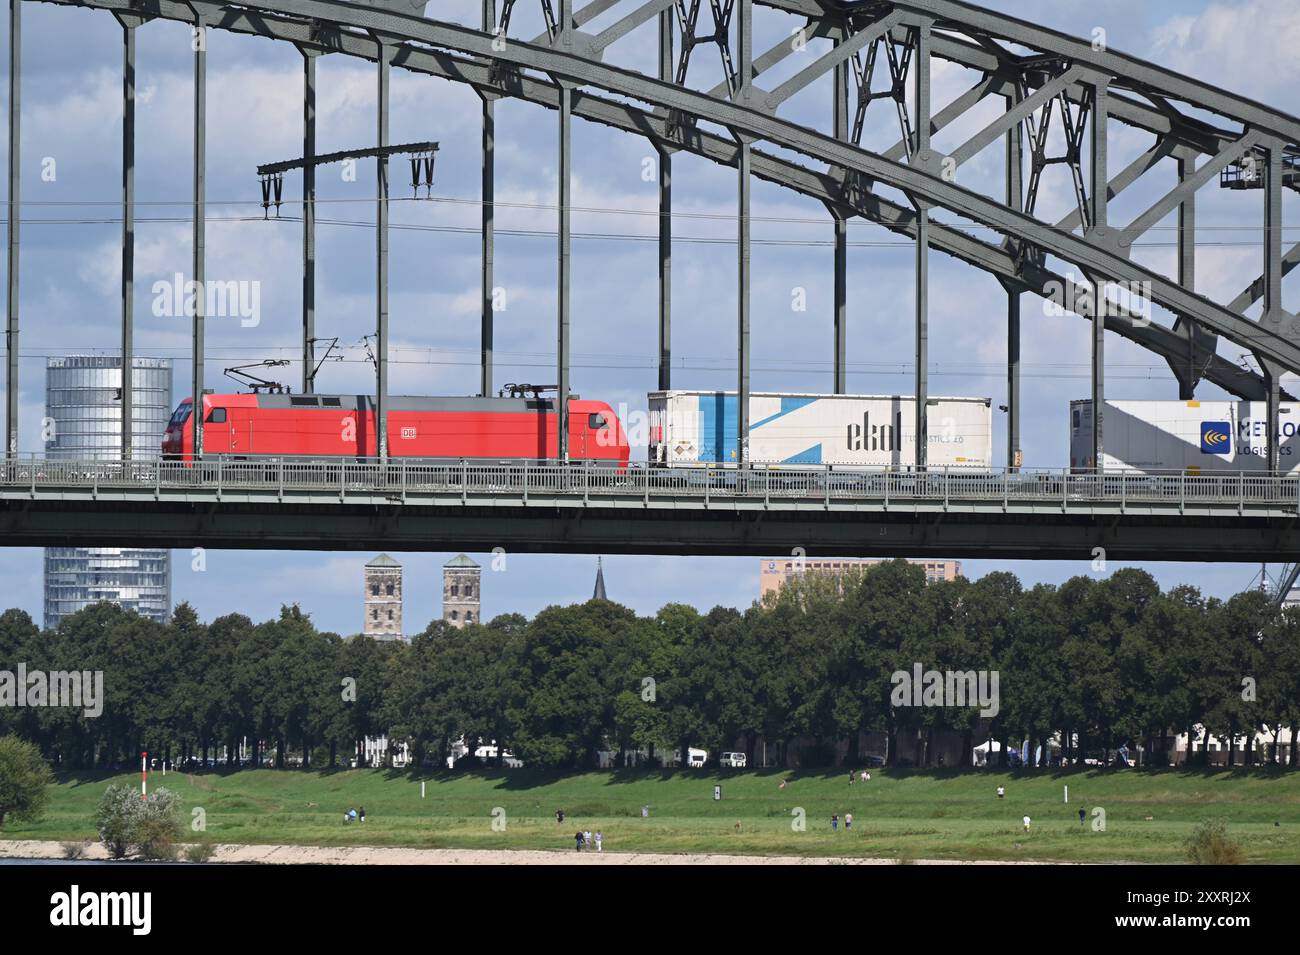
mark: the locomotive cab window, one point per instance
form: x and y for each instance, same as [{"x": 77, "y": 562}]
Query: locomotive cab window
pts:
[
  {"x": 595, "y": 421},
  {"x": 217, "y": 416}
]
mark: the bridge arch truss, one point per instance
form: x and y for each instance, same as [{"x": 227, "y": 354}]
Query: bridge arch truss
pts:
[{"x": 878, "y": 50}]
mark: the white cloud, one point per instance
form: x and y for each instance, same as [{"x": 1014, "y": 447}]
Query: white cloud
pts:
[{"x": 1248, "y": 48}]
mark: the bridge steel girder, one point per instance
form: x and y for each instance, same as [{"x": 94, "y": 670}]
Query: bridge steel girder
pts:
[
  {"x": 345, "y": 22},
  {"x": 747, "y": 528}
]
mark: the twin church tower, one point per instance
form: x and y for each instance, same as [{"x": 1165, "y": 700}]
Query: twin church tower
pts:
[{"x": 461, "y": 594}]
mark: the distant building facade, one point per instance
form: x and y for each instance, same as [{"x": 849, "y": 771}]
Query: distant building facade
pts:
[
  {"x": 83, "y": 411},
  {"x": 773, "y": 572},
  {"x": 383, "y": 599},
  {"x": 461, "y": 591}
]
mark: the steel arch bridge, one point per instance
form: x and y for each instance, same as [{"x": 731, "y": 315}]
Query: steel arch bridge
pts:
[{"x": 1038, "y": 80}]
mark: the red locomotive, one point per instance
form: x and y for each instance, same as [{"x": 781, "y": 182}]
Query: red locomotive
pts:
[{"x": 343, "y": 426}]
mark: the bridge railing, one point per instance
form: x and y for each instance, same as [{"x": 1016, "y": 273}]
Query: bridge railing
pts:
[{"x": 399, "y": 478}]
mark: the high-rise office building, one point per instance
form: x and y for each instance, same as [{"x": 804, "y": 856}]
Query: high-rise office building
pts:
[{"x": 83, "y": 421}]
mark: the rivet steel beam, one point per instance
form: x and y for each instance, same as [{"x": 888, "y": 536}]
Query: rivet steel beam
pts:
[
  {"x": 381, "y": 249},
  {"x": 1189, "y": 371},
  {"x": 128, "y": 239},
  {"x": 665, "y": 157},
  {"x": 744, "y": 66},
  {"x": 487, "y": 238},
  {"x": 1015, "y": 175},
  {"x": 1274, "y": 315},
  {"x": 922, "y": 153},
  {"x": 199, "y": 250},
  {"x": 840, "y": 114},
  {"x": 564, "y": 39},
  {"x": 309, "y": 221},
  {"x": 1098, "y": 227},
  {"x": 15, "y": 212}
]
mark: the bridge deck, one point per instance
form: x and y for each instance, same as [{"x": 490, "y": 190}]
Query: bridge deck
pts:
[{"x": 554, "y": 507}]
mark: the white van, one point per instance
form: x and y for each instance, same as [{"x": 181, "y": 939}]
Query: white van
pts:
[
  {"x": 695, "y": 758},
  {"x": 733, "y": 760}
]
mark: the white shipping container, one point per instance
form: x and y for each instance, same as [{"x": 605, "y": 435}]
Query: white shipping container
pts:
[
  {"x": 1192, "y": 436},
  {"x": 876, "y": 431}
]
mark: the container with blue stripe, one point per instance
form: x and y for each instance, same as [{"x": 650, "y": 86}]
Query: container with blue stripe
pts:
[{"x": 700, "y": 427}]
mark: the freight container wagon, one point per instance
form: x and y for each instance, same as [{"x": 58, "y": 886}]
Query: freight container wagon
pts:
[
  {"x": 1196, "y": 437},
  {"x": 868, "y": 431}
]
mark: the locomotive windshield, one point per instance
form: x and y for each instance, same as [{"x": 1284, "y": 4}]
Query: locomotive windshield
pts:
[{"x": 180, "y": 415}]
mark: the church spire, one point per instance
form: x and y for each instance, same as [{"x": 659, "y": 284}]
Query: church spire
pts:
[{"x": 599, "y": 593}]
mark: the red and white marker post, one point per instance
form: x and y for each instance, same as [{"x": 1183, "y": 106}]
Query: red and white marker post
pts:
[{"x": 144, "y": 775}]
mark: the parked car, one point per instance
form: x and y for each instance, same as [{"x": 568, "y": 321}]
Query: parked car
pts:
[
  {"x": 733, "y": 760},
  {"x": 874, "y": 760}
]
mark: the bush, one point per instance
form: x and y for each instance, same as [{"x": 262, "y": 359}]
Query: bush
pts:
[
  {"x": 75, "y": 850},
  {"x": 155, "y": 837},
  {"x": 124, "y": 820},
  {"x": 199, "y": 852},
  {"x": 24, "y": 776},
  {"x": 115, "y": 819},
  {"x": 1209, "y": 844}
]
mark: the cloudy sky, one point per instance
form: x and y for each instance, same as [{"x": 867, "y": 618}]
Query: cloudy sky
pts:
[{"x": 72, "y": 115}]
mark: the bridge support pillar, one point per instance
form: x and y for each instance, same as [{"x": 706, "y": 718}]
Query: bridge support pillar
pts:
[
  {"x": 488, "y": 231},
  {"x": 198, "y": 266},
  {"x": 381, "y": 255},
  {"x": 308, "y": 221}
]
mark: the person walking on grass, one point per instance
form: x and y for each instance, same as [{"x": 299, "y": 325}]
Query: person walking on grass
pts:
[
  {"x": 363, "y": 813},
  {"x": 835, "y": 822},
  {"x": 577, "y": 841},
  {"x": 848, "y": 821},
  {"x": 599, "y": 845}
]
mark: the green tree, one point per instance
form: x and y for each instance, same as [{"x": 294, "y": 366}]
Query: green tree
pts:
[{"x": 24, "y": 781}]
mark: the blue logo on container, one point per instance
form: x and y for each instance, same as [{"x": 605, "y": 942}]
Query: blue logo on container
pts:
[{"x": 1216, "y": 437}]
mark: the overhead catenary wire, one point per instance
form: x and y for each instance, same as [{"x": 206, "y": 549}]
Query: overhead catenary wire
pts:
[
  {"x": 1134, "y": 372},
  {"x": 550, "y": 233},
  {"x": 726, "y": 217}
]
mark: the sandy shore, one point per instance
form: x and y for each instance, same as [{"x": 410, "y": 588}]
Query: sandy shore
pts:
[{"x": 376, "y": 855}]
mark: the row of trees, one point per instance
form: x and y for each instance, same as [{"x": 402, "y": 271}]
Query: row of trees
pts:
[{"x": 1101, "y": 662}]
